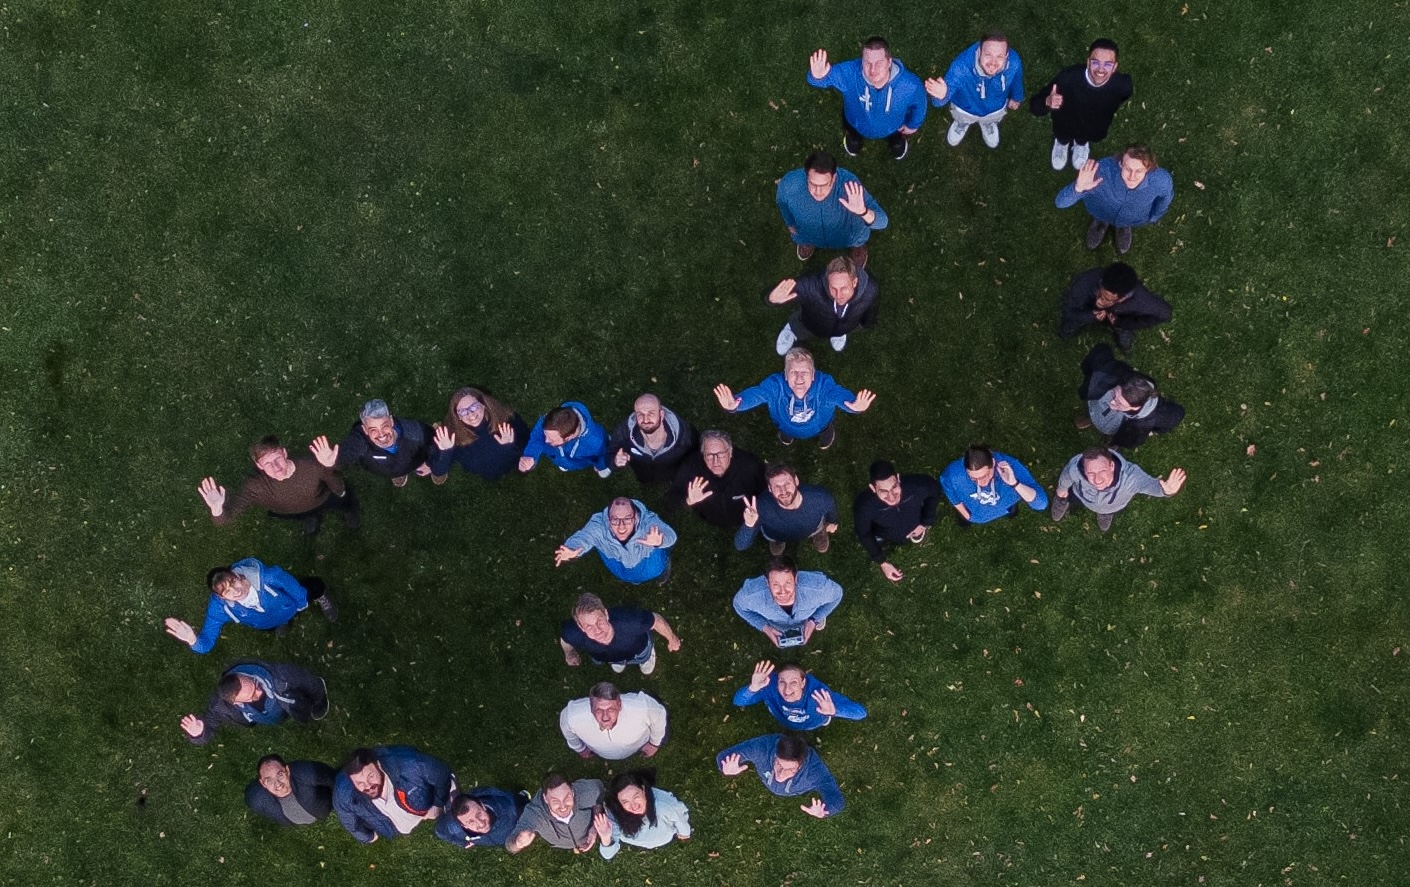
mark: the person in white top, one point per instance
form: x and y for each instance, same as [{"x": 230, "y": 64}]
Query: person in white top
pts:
[{"x": 610, "y": 724}]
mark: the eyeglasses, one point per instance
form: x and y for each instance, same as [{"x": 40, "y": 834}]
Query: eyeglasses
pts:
[
  {"x": 622, "y": 521},
  {"x": 1098, "y": 63},
  {"x": 471, "y": 410},
  {"x": 716, "y": 457}
]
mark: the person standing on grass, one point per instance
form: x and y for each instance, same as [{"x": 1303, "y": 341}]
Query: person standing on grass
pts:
[
  {"x": 481, "y": 817},
  {"x": 796, "y": 699},
  {"x": 570, "y": 439},
  {"x": 639, "y": 814},
  {"x": 1115, "y": 298},
  {"x": 984, "y": 486},
  {"x": 611, "y": 725},
  {"x": 381, "y": 444},
  {"x": 1104, "y": 482},
  {"x": 880, "y": 98},
  {"x": 1122, "y": 404},
  {"x": 387, "y": 791},
  {"x": 714, "y": 482},
  {"x": 254, "y": 693},
  {"x": 788, "y": 512},
  {"x": 826, "y": 207},
  {"x": 253, "y": 594},
  {"x": 617, "y": 637},
  {"x": 786, "y": 605},
  {"x": 480, "y": 434},
  {"x": 293, "y": 793},
  {"x": 983, "y": 84},
  {"x": 561, "y": 813},
  {"x": 298, "y": 489},
  {"x": 653, "y": 440},
  {"x": 894, "y": 508},
  {"x": 1125, "y": 191},
  {"x": 828, "y": 305},
  {"x": 631, "y": 540},
  {"x": 1083, "y": 100},
  {"x": 801, "y": 401},
  {"x": 788, "y": 768}
]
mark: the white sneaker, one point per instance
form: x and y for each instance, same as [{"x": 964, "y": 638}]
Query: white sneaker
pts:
[
  {"x": 990, "y": 132},
  {"x": 604, "y": 472},
  {"x": 957, "y": 131},
  {"x": 649, "y": 665},
  {"x": 785, "y": 340},
  {"x": 1080, "y": 152},
  {"x": 838, "y": 342},
  {"x": 619, "y": 667},
  {"x": 1059, "y": 155}
]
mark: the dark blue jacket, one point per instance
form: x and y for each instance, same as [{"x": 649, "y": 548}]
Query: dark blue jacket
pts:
[
  {"x": 312, "y": 783},
  {"x": 413, "y": 449},
  {"x": 419, "y": 781},
  {"x": 504, "y": 810},
  {"x": 292, "y": 692}
]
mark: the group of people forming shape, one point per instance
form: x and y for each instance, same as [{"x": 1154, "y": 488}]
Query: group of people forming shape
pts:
[{"x": 386, "y": 791}]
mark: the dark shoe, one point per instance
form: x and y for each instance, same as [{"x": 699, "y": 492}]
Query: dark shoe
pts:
[
  {"x": 1124, "y": 340},
  {"x": 1060, "y": 507},
  {"x": 400, "y": 481},
  {"x": 858, "y": 255},
  {"x": 312, "y": 523},
  {"x": 851, "y": 143},
  {"x": 330, "y": 612},
  {"x": 1123, "y": 241},
  {"x": 1082, "y": 419},
  {"x": 805, "y": 252},
  {"x": 1104, "y": 522},
  {"x": 352, "y": 518},
  {"x": 828, "y": 436},
  {"x": 822, "y": 541},
  {"x": 900, "y": 147},
  {"x": 282, "y": 631},
  {"x": 777, "y": 548},
  {"x": 1096, "y": 233},
  {"x": 785, "y": 439},
  {"x": 666, "y": 576}
]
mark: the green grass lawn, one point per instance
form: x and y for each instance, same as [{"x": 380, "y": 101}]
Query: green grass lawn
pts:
[{"x": 225, "y": 220}]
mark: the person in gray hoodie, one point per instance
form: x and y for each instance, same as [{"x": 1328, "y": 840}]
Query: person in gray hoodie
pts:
[
  {"x": 1104, "y": 482},
  {"x": 653, "y": 440},
  {"x": 631, "y": 540},
  {"x": 561, "y": 813}
]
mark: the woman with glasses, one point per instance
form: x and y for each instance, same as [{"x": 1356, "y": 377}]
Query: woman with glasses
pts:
[{"x": 480, "y": 434}]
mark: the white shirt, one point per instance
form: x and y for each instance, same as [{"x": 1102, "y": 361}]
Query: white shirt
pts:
[{"x": 641, "y": 720}]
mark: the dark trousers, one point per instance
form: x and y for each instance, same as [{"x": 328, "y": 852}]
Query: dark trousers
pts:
[
  {"x": 347, "y": 504},
  {"x": 855, "y": 139}
]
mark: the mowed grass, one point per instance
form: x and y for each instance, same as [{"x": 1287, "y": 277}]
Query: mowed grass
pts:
[{"x": 220, "y": 221}]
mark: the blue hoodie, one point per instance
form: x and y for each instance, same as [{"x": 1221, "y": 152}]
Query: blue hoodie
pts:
[
  {"x": 1114, "y": 203},
  {"x": 876, "y": 113},
  {"x": 633, "y": 560},
  {"x": 280, "y": 598},
  {"x": 991, "y": 502},
  {"x": 803, "y": 714},
  {"x": 803, "y": 417},
  {"x": 813, "y": 776},
  {"x": 587, "y": 450},
  {"x": 973, "y": 91},
  {"x": 825, "y": 223},
  {"x": 503, "y": 809}
]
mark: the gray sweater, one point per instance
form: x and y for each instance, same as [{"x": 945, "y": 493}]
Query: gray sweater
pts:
[
  {"x": 1130, "y": 481},
  {"x": 587, "y": 800}
]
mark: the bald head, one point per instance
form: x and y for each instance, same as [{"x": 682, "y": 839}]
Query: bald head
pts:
[{"x": 647, "y": 411}]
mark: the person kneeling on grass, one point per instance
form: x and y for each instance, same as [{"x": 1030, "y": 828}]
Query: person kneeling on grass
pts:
[
  {"x": 293, "y": 793},
  {"x": 632, "y": 541},
  {"x": 254, "y": 693},
  {"x": 639, "y": 814},
  {"x": 788, "y": 768},
  {"x": 481, "y": 817},
  {"x": 801, "y": 401},
  {"x": 1104, "y": 482},
  {"x": 254, "y": 594}
]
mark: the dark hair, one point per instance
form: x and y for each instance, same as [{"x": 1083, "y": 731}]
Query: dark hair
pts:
[
  {"x": 269, "y": 759},
  {"x": 1120, "y": 278},
  {"x": 1103, "y": 43},
  {"x": 496, "y": 414},
  {"x": 881, "y": 470},
  {"x": 264, "y": 446},
  {"x": 778, "y": 469},
  {"x": 357, "y": 761},
  {"x": 781, "y": 563},
  {"x": 1143, "y": 153},
  {"x": 228, "y": 687},
  {"x": 820, "y": 161},
  {"x": 791, "y": 748},
  {"x": 462, "y": 802},
  {"x": 552, "y": 781},
  {"x": 1138, "y": 389},
  {"x": 994, "y": 37},
  {"x": 563, "y": 420},
  {"x": 977, "y": 456},
  {"x": 631, "y": 823},
  {"x": 875, "y": 42},
  {"x": 1091, "y": 454},
  {"x": 218, "y": 576}
]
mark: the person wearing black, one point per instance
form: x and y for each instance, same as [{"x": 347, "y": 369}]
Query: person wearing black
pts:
[
  {"x": 894, "y": 508},
  {"x": 827, "y": 305},
  {"x": 1083, "y": 100},
  {"x": 1121, "y": 403},
  {"x": 653, "y": 440},
  {"x": 381, "y": 444},
  {"x": 715, "y": 481},
  {"x": 291, "y": 793},
  {"x": 1112, "y": 297},
  {"x": 253, "y": 693}
]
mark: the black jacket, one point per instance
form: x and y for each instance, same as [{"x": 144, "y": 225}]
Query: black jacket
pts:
[
  {"x": 819, "y": 316},
  {"x": 1101, "y": 372},
  {"x": 1140, "y": 310},
  {"x": 297, "y": 693},
  {"x": 312, "y": 783},
  {"x": 725, "y": 508}
]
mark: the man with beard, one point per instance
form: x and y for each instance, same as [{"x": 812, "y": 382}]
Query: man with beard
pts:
[
  {"x": 254, "y": 693},
  {"x": 788, "y": 512},
  {"x": 389, "y": 790},
  {"x": 1114, "y": 298},
  {"x": 381, "y": 444},
  {"x": 785, "y": 605},
  {"x": 653, "y": 440}
]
